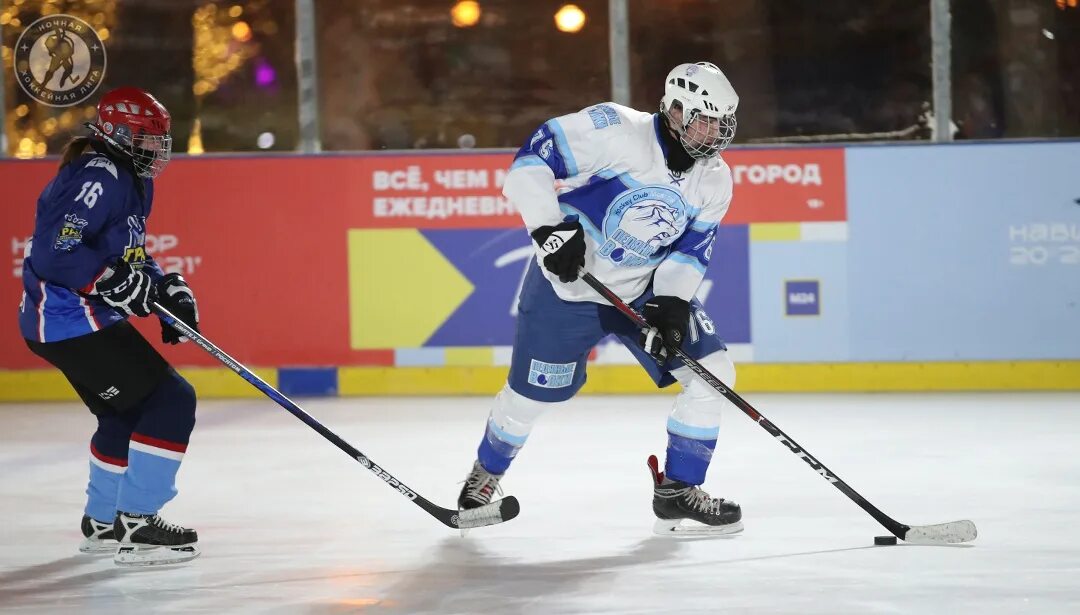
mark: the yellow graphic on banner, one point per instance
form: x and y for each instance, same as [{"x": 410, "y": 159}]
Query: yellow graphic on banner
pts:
[
  {"x": 478, "y": 355},
  {"x": 775, "y": 231},
  {"x": 401, "y": 289}
]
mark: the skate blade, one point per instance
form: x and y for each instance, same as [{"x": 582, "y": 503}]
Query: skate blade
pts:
[
  {"x": 155, "y": 555},
  {"x": 683, "y": 528},
  {"x": 98, "y": 547}
]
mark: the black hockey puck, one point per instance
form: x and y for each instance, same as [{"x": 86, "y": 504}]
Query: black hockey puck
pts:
[{"x": 884, "y": 540}]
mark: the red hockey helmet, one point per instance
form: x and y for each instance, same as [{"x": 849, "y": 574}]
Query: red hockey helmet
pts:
[{"x": 135, "y": 123}]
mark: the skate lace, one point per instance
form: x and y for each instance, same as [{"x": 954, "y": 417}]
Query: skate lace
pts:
[
  {"x": 703, "y": 502},
  {"x": 165, "y": 525},
  {"x": 481, "y": 486}
]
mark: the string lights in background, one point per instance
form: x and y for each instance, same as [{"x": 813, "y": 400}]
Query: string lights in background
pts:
[{"x": 223, "y": 44}]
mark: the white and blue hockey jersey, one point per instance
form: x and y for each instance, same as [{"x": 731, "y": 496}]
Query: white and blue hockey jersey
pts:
[{"x": 643, "y": 222}]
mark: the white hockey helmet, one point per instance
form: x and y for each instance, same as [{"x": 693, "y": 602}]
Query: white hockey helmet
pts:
[{"x": 707, "y": 103}]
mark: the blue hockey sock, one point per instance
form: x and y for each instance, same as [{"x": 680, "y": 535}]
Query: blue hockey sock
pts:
[
  {"x": 158, "y": 444},
  {"x": 108, "y": 462},
  {"x": 498, "y": 448},
  {"x": 689, "y": 451}
]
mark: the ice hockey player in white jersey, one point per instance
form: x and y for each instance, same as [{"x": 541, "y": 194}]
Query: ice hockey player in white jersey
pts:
[{"x": 641, "y": 196}]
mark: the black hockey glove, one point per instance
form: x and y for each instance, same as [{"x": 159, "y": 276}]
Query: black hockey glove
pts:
[
  {"x": 564, "y": 248},
  {"x": 176, "y": 296},
  {"x": 670, "y": 318},
  {"x": 128, "y": 290}
]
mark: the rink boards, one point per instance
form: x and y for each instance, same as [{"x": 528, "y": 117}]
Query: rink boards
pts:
[{"x": 913, "y": 267}]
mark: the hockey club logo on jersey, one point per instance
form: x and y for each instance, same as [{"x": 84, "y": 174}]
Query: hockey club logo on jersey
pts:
[
  {"x": 551, "y": 375},
  {"x": 676, "y": 177},
  {"x": 59, "y": 60},
  {"x": 70, "y": 234},
  {"x": 641, "y": 222},
  {"x": 135, "y": 251}
]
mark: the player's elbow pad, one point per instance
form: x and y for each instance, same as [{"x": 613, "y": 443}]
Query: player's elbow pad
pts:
[{"x": 532, "y": 190}]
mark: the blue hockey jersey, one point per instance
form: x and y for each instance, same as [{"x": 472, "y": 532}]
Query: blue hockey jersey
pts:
[{"x": 87, "y": 217}]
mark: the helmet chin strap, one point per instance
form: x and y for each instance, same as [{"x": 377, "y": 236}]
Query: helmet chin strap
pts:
[{"x": 678, "y": 159}]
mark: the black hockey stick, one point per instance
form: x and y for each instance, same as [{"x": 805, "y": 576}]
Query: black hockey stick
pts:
[
  {"x": 490, "y": 514},
  {"x": 952, "y": 532}
]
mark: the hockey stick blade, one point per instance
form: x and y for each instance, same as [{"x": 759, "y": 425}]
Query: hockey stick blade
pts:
[
  {"x": 954, "y": 532},
  {"x": 490, "y": 514},
  {"x": 496, "y": 512}
]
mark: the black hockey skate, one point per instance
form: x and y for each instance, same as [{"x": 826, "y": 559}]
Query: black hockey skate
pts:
[
  {"x": 149, "y": 540},
  {"x": 480, "y": 487},
  {"x": 98, "y": 537},
  {"x": 682, "y": 509}
]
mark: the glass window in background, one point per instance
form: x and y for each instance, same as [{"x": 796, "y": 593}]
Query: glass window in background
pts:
[
  {"x": 225, "y": 70},
  {"x": 397, "y": 74},
  {"x": 1016, "y": 68},
  {"x": 832, "y": 71}
]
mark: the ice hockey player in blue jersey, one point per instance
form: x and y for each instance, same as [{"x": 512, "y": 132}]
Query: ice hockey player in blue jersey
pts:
[
  {"x": 86, "y": 270},
  {"x": 642, "y": 195}
]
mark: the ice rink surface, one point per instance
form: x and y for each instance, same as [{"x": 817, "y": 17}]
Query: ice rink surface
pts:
[{"x": 289, "y": 524}]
